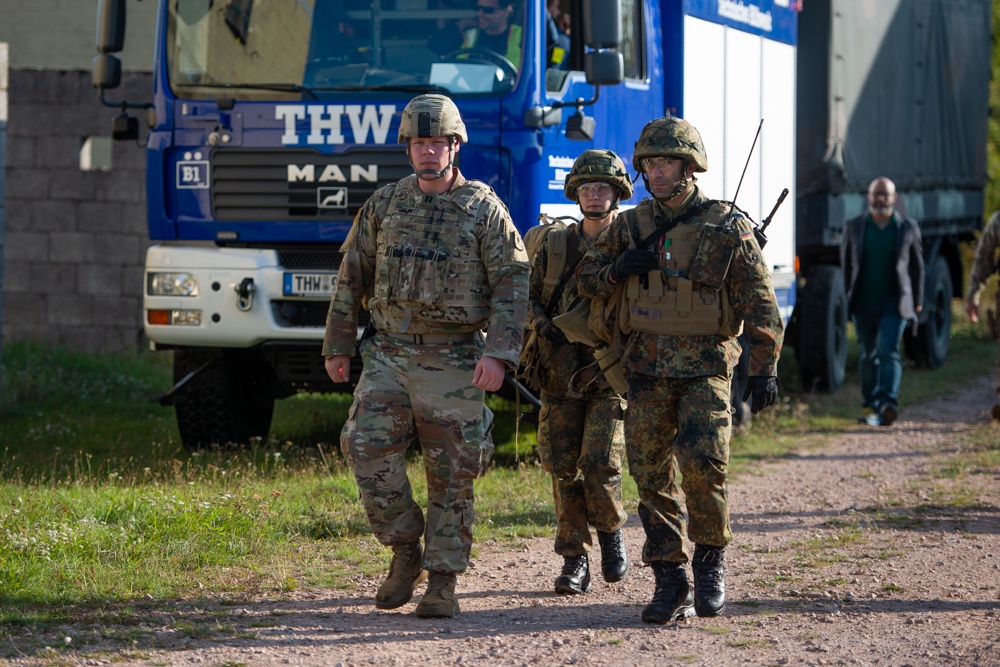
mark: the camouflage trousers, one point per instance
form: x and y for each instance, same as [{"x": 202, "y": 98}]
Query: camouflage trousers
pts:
[
  {"x": 420, "y": 392},
  {"x": 679, "y": 425},
  {"x": 581, "y": 443},
  {"x": 993, "y": 326}
]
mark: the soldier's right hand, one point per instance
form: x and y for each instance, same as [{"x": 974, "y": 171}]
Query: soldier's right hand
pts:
[
  {"x": 972, "y": 310},
  {"x": 548, "y": 329},
  {"x": 632, "y": 262},
  {"x": 338, "y": 367}
]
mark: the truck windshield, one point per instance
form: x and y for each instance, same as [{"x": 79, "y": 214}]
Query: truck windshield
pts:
[{"x": 290, "y": 49}]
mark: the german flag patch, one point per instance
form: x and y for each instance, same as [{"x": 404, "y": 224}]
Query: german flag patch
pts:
[{"x": 746, "y": 236}]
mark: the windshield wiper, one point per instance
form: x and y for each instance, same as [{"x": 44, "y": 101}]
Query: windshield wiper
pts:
[
  {"x": 280, "y": 87},
  {"x": 411, "y": 88},
  {"x": 311, "y": 92}
]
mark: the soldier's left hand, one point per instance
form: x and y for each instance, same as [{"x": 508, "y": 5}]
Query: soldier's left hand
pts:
[
  {"x": 764, "y": 392},
  {"x": 489, "y": 373}
]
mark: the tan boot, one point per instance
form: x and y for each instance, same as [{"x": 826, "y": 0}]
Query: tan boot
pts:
[
  {"x": 405, "y": 574},
  {"x": 439, "y": 601}
]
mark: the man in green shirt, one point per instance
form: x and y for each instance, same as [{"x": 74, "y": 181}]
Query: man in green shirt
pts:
[{"x": 883, "y": 264}]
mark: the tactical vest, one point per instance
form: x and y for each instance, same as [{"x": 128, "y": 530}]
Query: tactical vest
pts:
[
  {"x": 428, "y": 255},
  {"x": 687, "y": 295}
]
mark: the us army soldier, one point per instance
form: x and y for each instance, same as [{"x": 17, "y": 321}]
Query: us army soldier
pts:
[
  {"x": 436, "y": 260},
  {"x": 692, "y": 276},
  {"x": 580, "y": 433}
]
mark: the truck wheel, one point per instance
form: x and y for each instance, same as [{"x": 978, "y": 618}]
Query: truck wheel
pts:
[
  {"x": 227, "y": 403},
  {"x": 822, "y": 326},
  {"x": 929, "y": 348}
]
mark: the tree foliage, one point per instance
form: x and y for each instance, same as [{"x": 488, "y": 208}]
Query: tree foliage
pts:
[{"x": 993, "y": 143}]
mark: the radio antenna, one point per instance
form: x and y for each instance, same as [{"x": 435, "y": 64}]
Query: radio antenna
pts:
[{"x": 760, "y": 125}]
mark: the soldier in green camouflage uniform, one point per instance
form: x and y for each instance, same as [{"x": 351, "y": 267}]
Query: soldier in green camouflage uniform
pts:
[
  {"x": 580, "y": 432},
  {"x": 985, "y": 265},
  {"x": 437, "y": 261},
  {"x": 687, "y": 297}
]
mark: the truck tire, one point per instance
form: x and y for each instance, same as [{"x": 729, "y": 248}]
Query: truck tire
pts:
[
  {"x": 226, "y": 404},
  {"x": 822, "y": 345},
  {"x": 929, "y": 348}
]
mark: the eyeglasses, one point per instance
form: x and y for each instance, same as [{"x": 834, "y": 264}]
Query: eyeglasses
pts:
[
  {"x": 595, "y": 190},
  {"x": 485, "y": 9},
  {"x": 656, "y": 163}
]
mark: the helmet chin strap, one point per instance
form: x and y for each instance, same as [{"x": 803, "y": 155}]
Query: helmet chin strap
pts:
[
  {"x": 600, "y": 215},
  {"x": 434, "y": 174}
]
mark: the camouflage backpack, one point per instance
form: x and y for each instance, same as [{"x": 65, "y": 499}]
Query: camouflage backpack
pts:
[{"x": 562, "y": 251}]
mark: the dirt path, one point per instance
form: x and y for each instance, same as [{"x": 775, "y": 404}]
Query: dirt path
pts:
[{"x": 844, "y": 554}]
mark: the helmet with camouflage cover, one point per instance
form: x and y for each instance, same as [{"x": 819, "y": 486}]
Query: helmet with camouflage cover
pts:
[
  {"x": 431, "y": 116},
  {"x": 598, "y": 165},
  {"x": 670, "y": 137}
]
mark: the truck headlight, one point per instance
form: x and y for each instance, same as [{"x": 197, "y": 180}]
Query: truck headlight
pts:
[
  {"x": 184, "y": 318},
  {"x": 171, "y": 284}
]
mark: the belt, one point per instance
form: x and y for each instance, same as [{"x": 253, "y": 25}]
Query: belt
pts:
[{"x": 435, "y": 339}]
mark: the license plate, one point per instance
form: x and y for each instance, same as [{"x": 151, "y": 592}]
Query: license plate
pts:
[{"x": 309, "y": 284}]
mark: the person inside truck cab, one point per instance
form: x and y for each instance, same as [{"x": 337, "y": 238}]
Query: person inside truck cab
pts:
[{"x": 494, "y": 32}]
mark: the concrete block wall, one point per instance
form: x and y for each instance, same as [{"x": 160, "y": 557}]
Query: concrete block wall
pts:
[{"x": 75, "y": 240}]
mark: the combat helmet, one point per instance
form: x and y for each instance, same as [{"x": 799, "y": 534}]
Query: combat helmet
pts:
[
  {"x": 598, "y": 165},
  {"x": 670, "y": 137},
  {"x": 431, "y": 116}
]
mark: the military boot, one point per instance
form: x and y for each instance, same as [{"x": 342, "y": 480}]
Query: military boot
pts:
[
  {"x": 405, "y": 574},
  {"x": 709, "y": 569},
  {"x": 439, "y": 601},
  {"x": 672, "y": 597},
  {"x": 575, "y": 576},
  {"x": 614, "y": 559}
]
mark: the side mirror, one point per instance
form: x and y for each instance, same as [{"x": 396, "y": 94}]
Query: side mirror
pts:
[
  {"x": 602, "y": 24},
  {"x": 106, "y": 71},
  {"x": 110, "y": 26},
  {"x": 580, "y": 127},
  {"x": 604, "y": 68}
]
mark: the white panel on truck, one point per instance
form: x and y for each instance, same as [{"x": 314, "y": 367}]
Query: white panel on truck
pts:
[
  {"x": 704, "y": 81},
  {"x": 777, "y": 153},
  {"x": 743, "y": 113}
]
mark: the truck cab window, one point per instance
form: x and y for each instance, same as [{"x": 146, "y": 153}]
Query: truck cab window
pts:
[
  {"x": 308, "y": 48},
  {"x": 564, "y": 29}
]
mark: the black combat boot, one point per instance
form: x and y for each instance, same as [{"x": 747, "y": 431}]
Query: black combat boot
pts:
[
  {"x": 575, "y": 576},
  {"x": 709, "y": 569},
  {"x": 614, "y": 559},
  {"x": 672, "y": 597}
]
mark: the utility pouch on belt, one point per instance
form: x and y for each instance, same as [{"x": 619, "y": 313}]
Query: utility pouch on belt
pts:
[{"x": 574, "y": 324}]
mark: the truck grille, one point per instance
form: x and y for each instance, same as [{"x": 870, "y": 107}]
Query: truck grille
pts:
[
  {"x": 294, "y": 185},
  {"x": 319, "y": 259}
]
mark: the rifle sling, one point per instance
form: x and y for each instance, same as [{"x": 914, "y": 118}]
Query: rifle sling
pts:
[
  {"x": 572, "y": 257},
  {"x": 664, "y": 228}
]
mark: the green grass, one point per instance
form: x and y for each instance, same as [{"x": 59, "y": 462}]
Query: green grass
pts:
[{"x": 104, "y": 515}]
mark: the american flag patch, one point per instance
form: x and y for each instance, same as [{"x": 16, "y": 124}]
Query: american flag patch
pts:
[{"x": 746, "y": 236}]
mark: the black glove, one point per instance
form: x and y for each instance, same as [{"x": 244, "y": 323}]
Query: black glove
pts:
[
  {"x": 764, "y": 389},
  {"x": 632, "y": 262},
  {"x": 547, "y": 329}
]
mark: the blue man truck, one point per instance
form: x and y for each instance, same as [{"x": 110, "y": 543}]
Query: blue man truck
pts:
[{"x": 272, "y": 121}]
